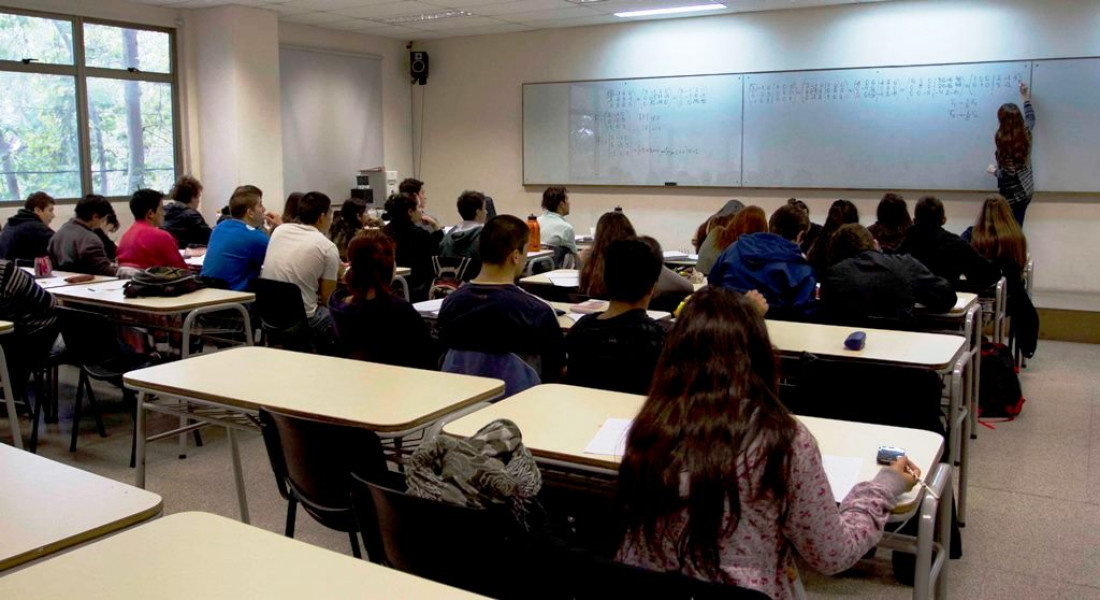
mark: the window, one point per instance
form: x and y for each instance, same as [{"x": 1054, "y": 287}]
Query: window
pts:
[{"x": 89, "y": 107}]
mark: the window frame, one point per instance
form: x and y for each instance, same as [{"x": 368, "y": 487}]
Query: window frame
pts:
[{"x": 81, "y": 72}]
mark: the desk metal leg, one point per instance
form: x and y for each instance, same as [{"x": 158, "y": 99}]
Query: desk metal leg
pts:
[
  {"x": 935, "y": 521},
  {"x": 9, "y": 400},
  {"x": 944, "y": 526},
  {"x": 238, "y": 474},
  {"x": 960, "y": 428},
  {"x": 139, "y": 443}
]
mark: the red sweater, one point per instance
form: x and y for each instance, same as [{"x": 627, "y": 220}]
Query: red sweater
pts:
[{"x": 144, "y": 246}]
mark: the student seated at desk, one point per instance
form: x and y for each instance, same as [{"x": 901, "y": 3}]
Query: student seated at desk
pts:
[
  {"x": 862, "y": 282},
  {"x": 371, "y": 323},
  {"x": 75, "y": 247},
  {"x": 617, "y": 349},
  {"x": 892, "y": 222},
  {"x": 554, "y": 230},
  {"x": 27, "y": 234},
  {"x": 719, "y": 481},
  {"x": 144, "y": 244},
  {"x": 415, "y": 246},
  {"x": 751, "y": 219},
  {"x": 811, "y": 233},
  {"x": 841, "y": 212},
  {"x": 32, "y": 310},
  {"x": 301, "y": 254},
  {"x": 772, "y": 263},
  {"x": 706, "y": 236},
  {"x": 238, "y": 245},
  {"x": 461, "y": 241},
  {"x": 182, "y": 217},
  {"x": 998, "y": 237},
  {"x": 347, "y": 224},
  {"x": 613, "y": 227},
  {"x": 493, "y": 315},
  {"x": 943, "y": 252}
]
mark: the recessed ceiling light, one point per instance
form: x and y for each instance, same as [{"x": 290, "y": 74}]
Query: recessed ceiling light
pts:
[
  {"x": 671, "y": 11},
  {"x": 584, "y": 1},
  {"x": 436, "y": 16}
]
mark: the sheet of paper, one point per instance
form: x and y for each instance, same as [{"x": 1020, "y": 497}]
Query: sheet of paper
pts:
[
  {"x": 574, "y": 316},
  {"x": 843, "y": 473},
  {"x": 429, "y": 307},
  {"x": 564, "y": 280},
  {"x": 610, "y": 440},
  {"x": 674, "y": 254}
]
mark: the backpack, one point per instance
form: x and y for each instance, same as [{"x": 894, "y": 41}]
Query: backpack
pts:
[
  {"x": 999, "y": 394},
  {"x": 161, "y": 281},
  {"x": 449, "y": 275}
]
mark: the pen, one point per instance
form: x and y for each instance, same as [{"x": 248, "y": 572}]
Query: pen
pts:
[{"x": 921, "y": 483}]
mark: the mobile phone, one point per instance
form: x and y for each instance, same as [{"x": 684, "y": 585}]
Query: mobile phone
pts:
[{"x": 887, "y": 455}]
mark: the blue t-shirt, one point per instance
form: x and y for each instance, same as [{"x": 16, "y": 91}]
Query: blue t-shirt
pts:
[{"x": 235, "y": 253}]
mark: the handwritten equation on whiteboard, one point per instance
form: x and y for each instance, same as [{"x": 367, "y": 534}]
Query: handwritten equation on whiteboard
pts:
[{"x": 960, "y": 93}]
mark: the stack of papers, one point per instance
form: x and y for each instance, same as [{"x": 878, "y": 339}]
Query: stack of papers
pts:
[
  {"x": 429, "y": 308},
  {"x": 610, "y": 440},
  {"x": 675, "y": 254},
  {"x": 565, "y": 279}
]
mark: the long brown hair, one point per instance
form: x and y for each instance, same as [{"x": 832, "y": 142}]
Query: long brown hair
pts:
[
  {"x": 997, "y": 236},
  {"x": 751, "y": 219},
  {"x": 713, "y": 413},
  {"x": 611, "y": 227},
  {"x": 1013, "y": 139},
  {"x": 841, "y": 212}
]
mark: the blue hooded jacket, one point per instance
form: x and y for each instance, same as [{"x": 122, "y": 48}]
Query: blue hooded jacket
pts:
[{"x": 772, "y": 265}]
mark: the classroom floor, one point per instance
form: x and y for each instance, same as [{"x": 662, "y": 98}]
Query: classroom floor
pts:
[{"x": 1033, "y": 529}]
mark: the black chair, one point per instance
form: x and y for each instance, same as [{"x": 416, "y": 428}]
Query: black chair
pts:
[
  {"x": 282, "y": 315},
  {"x": 92, "y": 343},
  {"x": 594, "y": 577},
  {"x": 313, "y": 462},
  {"x": 463, "y": 547}
]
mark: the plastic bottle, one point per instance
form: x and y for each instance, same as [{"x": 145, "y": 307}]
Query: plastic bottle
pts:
[{"x": 535, "y": 239}]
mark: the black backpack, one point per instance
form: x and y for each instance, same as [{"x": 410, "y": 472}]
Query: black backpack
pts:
[
  {"x": 161, "y": 281},
  {"x": 1000, "y": 395}
]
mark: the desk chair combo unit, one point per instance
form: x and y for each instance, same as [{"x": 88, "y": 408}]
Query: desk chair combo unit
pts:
[{"x": 558, "y": 421}]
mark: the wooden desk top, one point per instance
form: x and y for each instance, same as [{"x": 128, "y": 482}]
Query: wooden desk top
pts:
[
  {"x": 929, "y": 350},
  {"x": 198, "y": 555},
  {"x": 963, "y": 302},
  {"x": 109, "y": 294},
  {"x": 57, "y": 279},
  {"x": 6, "y": 326},
  {"x": 382, "y": 398},
  {"x": 402, "y": 271},
  {"x": 46, "y": 506},
  {"x": 558, "y": 421},
  {"x": 544, "y": 278}
]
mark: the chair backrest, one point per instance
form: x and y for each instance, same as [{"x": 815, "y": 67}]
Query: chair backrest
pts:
[
  {"x": 517, "y": 374},
  {"x": 90, "y": 338},
  {"x": 315, "y": 459},
  {"x": 450, "y": 267},
  {"x": 592, "y": 577},
  {"x": 464, "y": 547},
  {"x": 278, "y": 304}
]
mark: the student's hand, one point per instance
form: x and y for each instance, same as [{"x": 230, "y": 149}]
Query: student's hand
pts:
[
  {"x": 273, "y": 220},
  {"x": 759, "y": 301},
  {"x": 1025, "y": 91},
  {"x": 430, "y": 221},
  {"x": 908, "y": 471},
  {"x": 991, "y": 169}
]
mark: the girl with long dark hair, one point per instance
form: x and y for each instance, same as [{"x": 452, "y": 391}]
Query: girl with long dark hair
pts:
[
  {"x": 349, "y": 221},
  {"x": 841, "y": 212},
  {"x": 1013, "y": 141},
  {"x": 892, "y": 222},
  {"x": 719, "y": 481}
]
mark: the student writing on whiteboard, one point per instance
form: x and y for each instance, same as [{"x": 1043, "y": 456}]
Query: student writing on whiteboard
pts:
[{"x": 1013, "y": 141}]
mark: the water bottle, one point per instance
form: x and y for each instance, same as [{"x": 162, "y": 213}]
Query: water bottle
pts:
[
  {"x": 42, "y": 267},
  {"x": 535, "y": 240}
]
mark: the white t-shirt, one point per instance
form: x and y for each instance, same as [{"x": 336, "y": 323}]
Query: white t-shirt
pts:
[{"x": 302, "y": 255}]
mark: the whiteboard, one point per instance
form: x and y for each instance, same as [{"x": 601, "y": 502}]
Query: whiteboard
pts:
[
  {"x": 1065, "y": 152},
  {"x": 882, "y": 128},
  {"x": 661, "y": 131}
]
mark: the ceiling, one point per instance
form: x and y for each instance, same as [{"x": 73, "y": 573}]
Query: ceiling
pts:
[{"x": 487, "y": 16}]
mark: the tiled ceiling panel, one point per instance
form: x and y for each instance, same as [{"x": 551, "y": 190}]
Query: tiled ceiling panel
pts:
[{"x": 433, "y": 19}]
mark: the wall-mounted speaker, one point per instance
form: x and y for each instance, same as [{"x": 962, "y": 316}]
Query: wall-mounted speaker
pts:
[{"x": 418, "y": 67}]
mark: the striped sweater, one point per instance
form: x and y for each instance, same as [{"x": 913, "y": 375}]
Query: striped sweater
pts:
[
  {"x": 23, "y": 302},
  {"x": 1015, "y": 181}
]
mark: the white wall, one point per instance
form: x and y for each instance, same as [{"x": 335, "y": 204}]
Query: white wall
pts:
[{"x": 473, "y": 131}]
